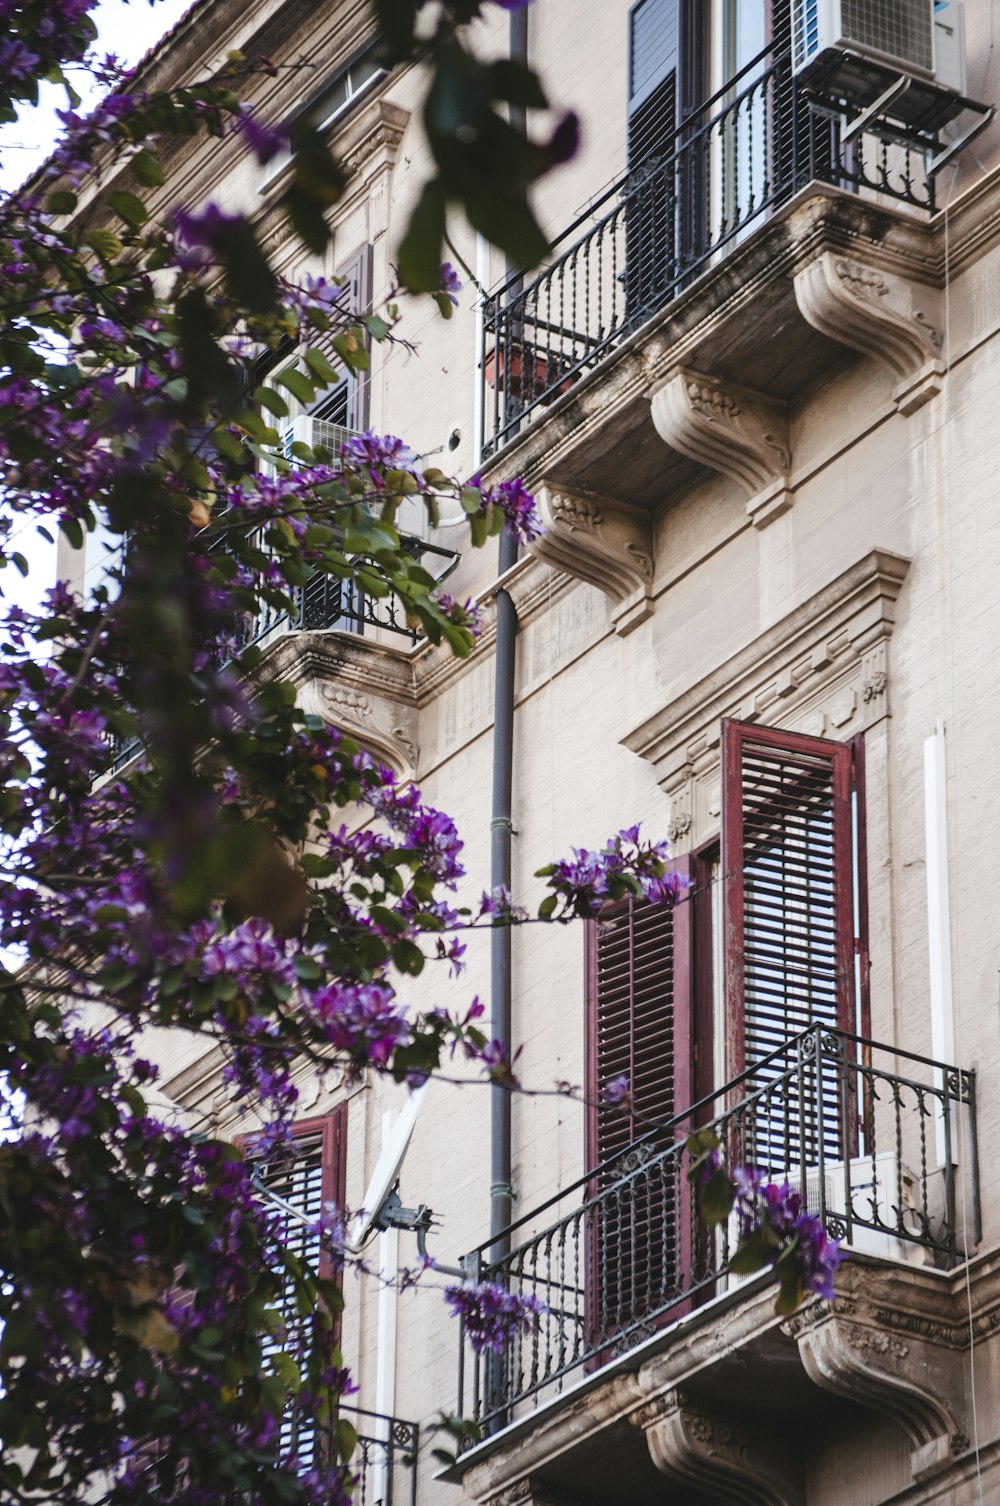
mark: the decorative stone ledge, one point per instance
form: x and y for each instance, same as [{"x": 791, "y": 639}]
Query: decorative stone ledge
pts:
[
  {"x": 732, "y": 1458},
  {"x": 731, "y": 429},
  {"x": 608, "y": 544},
  {"x": 363, "y": 687},
  {"x": 822, "y": 670},
  {"x": 884, "y": 315}
]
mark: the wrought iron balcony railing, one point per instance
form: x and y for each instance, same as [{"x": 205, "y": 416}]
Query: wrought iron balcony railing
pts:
[
  {"x": 322, "y": 603},
  {"x": 733, "y": 161},
  {"x": 881, "y": 1143},
  {"x": 325, "y": 602},
  {"x": 385, "y": 1459}
]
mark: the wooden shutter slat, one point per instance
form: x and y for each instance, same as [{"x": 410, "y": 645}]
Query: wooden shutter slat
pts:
[{"x": 788, "y": 899}]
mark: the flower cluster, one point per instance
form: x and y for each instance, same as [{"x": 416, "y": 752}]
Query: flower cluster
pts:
[
  {"x": 626, "y": 866},
  {"x": 773, "y": 1220},
  {"x": 491, "y": 1316}
]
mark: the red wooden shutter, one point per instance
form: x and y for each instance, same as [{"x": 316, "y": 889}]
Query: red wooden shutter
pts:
[
  {"x": 639, "y": 1026},
  {"x": 639, "y": 1019},
  {"x": 788, "y": 916}
]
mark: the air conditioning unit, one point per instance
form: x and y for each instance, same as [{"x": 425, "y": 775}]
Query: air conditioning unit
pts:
[
  {"x": 317, "y": 433},
  {"x": 921, "y": 39},
  {"x": 878, "y": 1186}
]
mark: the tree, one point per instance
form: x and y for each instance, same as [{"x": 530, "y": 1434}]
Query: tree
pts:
[{"x": 210, "y": 884}]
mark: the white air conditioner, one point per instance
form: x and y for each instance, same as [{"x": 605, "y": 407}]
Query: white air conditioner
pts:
[
  {"x": 316, "y": 433},
  {"x": 878, "y": 1186},
  {"x": 922, "y": 39}
]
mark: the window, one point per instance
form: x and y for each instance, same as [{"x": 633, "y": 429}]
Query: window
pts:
[
  {"x": 332, "y": 101},
  {"x": 776, "y": 915},
  {"x": 307, "y": 1184}
]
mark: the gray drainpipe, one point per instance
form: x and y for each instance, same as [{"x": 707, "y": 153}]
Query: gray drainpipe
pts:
[{"x": 501, "y": 828}]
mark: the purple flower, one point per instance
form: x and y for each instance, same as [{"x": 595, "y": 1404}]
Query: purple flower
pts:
[
  {"x": 266, "y": 142},
  {"x": 796, "y": 1234},
  {"x": 451, "y": 285},
  {"x": 616, "y": 1092},
  {"x": 492, "y": 1316},
  {"x": 210, "y": 228}
]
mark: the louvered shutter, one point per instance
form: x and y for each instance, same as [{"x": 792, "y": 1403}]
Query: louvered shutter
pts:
[
  {"x": 788, "y": 916},
  {"x": 309, "y": 1182},
  {"x": 639, "y": 1017},
  {"x": 358, "y": 272},
  {"x": 654, "y": 58}
]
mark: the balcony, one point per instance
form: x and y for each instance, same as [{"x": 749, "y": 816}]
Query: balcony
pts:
[
  {"x": 640, "y": 1303},
  {"x": 384, "y": 1461},
  {"x": 324, "y": 603},
  {"x": 733, "y": 163}
]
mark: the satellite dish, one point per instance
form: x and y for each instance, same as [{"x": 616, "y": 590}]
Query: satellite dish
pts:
[{"x": 383, "y": 1179}]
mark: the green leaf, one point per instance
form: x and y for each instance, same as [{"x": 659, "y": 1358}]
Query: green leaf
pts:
[
  {"x": 297, "y": 383},
  {"x": 147, "y": 170},
  {"x": 420, "y": 254},
  {"x": 715, "y": 1198},
  {"x": 73, "y": 532},
  {"x": 753, "y": 1253},
  {"x": 376, "y": 326},
  {"x": 790, "y": 1295},
  {"x": 321, "y": 367},
  {"x": 248, "y": 272},
  {"x": 61, "y": 202},
  {"x": 510, "y": 80},
  {"x": 128, "y": 207},
  {"x": 272, "y": 401},
  {"x": 104, "y": 244}
]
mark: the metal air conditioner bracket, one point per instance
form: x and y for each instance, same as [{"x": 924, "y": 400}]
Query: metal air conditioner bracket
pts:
[
  {"x": 945, "y": 155},
  {"x": 875, "y": 113},
  {"x": 907, "y": 108}
]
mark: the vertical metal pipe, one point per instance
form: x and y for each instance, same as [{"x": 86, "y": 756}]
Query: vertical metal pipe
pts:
[{"x": 501, "y": 829}]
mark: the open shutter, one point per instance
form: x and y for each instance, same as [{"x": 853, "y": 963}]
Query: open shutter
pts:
[
  {"x": 309, "y": 1182},
  {"x": 788, "y": 900},
  {"x": 654, "y": 59},
  {"x": 639, "y": 1019},
  {"x": 358, "y": 271}
]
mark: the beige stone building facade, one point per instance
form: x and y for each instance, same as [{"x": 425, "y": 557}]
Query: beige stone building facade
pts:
[{"x": 756, "y": 391}]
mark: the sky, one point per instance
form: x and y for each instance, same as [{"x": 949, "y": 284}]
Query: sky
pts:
[{"x": 128, "y": 30}]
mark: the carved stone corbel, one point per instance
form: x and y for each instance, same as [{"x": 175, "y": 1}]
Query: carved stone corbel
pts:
[
  {"x": 919, "y": 1384},
  {"x": 383, "y": 727},
  {"x": 731, "y": 429},
  {"x": 608, "y": 544},
  {"x": 735, "y": 1461},
  {"x": 526, "y": 1492},
  {"x": 881, "y": 314}
]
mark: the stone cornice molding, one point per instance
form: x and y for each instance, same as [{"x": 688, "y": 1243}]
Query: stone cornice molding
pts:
[
  {"x": 734, "y": 1460},
  {"x": 821, "y": 669},
  {"x": 607, "y": 544},
  {"x": 363, "y": 687},
  {"x": 882, "y": 314},
  {"x": 731, "y": 429}
]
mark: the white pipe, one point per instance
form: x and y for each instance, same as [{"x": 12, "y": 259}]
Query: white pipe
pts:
[
  {"x": 385, "y": 1350},
  {"x": 938, "y": 910}
]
